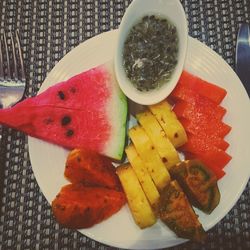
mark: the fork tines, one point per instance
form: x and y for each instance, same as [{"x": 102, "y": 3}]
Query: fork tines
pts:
[{"x": 11, "y": 59}]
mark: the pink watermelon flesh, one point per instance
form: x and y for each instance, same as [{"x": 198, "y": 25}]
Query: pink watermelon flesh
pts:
[{"x": 86, "y": 111}]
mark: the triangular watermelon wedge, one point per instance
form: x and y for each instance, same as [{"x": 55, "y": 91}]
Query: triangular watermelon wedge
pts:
[{"x": 87, "y": 111}]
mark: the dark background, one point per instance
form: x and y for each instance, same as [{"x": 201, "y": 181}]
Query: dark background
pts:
[{"x": 48, "y": 30}]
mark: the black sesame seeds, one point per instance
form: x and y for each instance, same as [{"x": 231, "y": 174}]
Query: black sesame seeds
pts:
[{"x": 150, "y": 52}]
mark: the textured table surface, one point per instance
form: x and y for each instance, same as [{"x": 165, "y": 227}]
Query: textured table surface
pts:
[{"x": 48, "y": 30}]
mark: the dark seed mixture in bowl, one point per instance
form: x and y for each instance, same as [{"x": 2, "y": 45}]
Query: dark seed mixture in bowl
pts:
[{"x": 150, "y": 52}]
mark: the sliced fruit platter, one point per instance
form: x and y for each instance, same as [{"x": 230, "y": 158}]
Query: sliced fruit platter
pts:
[{"x": 145, "y": 180}]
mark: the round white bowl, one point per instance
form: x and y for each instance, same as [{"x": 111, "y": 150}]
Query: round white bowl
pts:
[{"x": 173, "y": 11}]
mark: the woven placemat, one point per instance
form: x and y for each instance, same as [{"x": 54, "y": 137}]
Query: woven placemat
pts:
[{"x": 48, "y": 30}]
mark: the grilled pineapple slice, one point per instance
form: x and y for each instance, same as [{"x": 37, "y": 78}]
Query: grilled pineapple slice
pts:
[
  {"x": 157, "y": 135},
  {"x": 150, "y": 157},
  {"x": 169, "y": 122},
  {"x": 137, "y": 201},
  {"x": 143, "y": 176}
]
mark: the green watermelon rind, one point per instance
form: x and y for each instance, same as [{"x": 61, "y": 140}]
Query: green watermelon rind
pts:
[
  {"x": 124, "y": 115},
  {"x": 119, "y": 106}
]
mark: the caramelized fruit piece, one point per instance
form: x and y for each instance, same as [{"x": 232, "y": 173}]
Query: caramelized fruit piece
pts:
[
  {"x": 199, "y": 184},
  {"x": 79, "y": 206},
  {"x": 176, "y": 212},
  {"x": 91, "y": 168}
]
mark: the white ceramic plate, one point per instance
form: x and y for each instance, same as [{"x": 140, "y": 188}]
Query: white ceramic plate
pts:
[{"x": 120, "y": 230}]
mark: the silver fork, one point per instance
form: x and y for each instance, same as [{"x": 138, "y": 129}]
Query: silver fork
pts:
[
  {"x": 12, "y": 87},
  {"x": 12, "y": 73}
]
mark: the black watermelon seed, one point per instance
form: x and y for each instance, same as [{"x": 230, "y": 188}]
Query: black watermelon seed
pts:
[
  {"x": 61, "y": 95},
  {"x": 65, "y": 120},
  {"x": 69, "y": 132}
]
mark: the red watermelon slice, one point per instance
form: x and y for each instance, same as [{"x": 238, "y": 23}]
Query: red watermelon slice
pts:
[
  {"x": 202, "y": 125},
  {"x": 196, "y": 104},
  {"x": 87, "y": 111},
  {"x": 200, "y": 86},
  {"x": 202, "y": 147},
  {"x": 210, "y": 154},
  {"x": 199, "y": 108},
  {"x": 206, "y": 139},
  {"x": 219, "y": 172}
]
